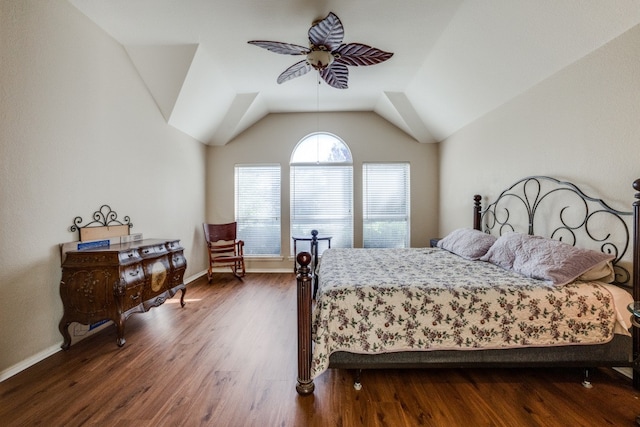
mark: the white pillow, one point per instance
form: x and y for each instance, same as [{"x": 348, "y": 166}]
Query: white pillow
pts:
[
  {"x": 546, "y": 259},
  {"x": 468, "y": 243}
]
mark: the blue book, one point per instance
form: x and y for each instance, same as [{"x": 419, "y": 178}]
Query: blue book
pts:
[
  {"x": 95, "y": 325},
  {"x": 93, "y": 245}
]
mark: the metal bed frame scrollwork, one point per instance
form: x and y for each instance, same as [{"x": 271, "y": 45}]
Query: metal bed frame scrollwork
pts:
[
  {"x": 104, "y": 216},
  {"x": 531, "y": 194}
]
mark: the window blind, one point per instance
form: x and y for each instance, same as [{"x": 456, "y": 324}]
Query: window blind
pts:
[
  {"x": 257, "y": 208},
  {"x": 385, "y": 205},
  {"x": 322, "y": 199}
]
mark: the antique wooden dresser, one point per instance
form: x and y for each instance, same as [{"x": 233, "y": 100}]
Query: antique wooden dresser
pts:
[{"x": 116, "y": 281}]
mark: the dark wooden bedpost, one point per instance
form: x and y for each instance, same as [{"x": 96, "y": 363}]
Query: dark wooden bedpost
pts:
[
  {"x": 476, "y": 212},
  {"x": 636, "y": 277},
  {"x": 305, "y": 383}
]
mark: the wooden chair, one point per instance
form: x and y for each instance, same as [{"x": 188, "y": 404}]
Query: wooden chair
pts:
[{"x": 224, "y": 249}]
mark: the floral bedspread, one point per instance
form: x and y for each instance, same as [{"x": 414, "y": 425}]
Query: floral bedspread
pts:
[{"x": 383, "y": 300}]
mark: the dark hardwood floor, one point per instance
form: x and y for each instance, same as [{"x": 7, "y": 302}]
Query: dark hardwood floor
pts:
[{"x": 229, "y": 359}]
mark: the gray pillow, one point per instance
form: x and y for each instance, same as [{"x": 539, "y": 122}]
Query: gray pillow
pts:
[
  {"x": 503, "y": 252},
  {"x": 546, "y": 259},
  {"x": 468, "y": 243}
]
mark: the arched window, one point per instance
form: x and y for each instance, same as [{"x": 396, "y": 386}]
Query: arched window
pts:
[
  {"x": 321, "y": 148},
  {"x": 322, "y": 189}
]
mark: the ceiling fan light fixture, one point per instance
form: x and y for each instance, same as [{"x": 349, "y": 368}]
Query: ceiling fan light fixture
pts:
[{"x": 320, "y": 59}]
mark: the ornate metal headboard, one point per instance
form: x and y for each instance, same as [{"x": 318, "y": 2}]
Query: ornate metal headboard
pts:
[
  {"x": 548, "y": 207},
  {"x": 103, "y": 217}
]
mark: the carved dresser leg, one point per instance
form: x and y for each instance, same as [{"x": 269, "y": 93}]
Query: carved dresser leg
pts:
[{"x": 64, "y": 330}]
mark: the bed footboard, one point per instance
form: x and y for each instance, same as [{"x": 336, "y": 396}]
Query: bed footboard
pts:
[{"x": 305, "y": 288}]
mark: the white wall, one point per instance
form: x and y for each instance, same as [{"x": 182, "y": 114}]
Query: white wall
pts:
[
  {"x": 580, "y": 125},
  {"x": 79, "y": 130},
  {"x": 369, "y": 137}
]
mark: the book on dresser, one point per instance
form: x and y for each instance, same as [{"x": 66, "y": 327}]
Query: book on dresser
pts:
[{"x": 114, "y": 281}]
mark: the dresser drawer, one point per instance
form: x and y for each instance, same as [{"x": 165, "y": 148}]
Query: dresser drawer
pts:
[
  {"x": 132, "y": 275},
  {"x": 176, "y": 277},
  {"x": 174, "y": 245},
  {"x": 132, "y": 297},
  {"x": 153, "y": 250},
  {"x": 178, "y": 260},
  {"x": 129, "y": 256}
]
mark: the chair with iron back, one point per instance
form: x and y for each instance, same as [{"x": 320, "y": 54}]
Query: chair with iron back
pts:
[{"x": 224, "y": 248}]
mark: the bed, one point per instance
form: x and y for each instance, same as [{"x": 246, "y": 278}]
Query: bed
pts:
[{"x": 543, "y": 278}]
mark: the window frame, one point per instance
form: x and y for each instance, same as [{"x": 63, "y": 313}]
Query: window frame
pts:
[
  {"x": 339, "y": 224},
  {"x": 385, "y": 210},
  {"x": 260, "y": 222}
]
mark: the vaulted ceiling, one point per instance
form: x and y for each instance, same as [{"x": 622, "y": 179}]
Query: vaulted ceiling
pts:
[{"x": 454, "y": 60}]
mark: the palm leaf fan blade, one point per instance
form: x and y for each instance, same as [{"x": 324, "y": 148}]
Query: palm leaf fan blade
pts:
[
  {"x": 356, "y": 54},
  {"x": 296, "y": 70},
  {"x": 279, "y": 47},
  {"x": 328, "y": 32},
  {"x": 336, "y": 75}
]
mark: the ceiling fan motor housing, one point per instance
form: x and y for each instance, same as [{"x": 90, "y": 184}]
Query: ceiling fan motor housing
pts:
[{"x": 319, "y": 58}]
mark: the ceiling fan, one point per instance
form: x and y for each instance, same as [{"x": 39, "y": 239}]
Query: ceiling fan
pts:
[{"x": 326, "y": 53}]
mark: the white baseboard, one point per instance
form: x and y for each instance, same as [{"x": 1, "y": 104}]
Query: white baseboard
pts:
[
  {"x": 626, "y": 371},
  {"x": 19, "y": 367},
  {"x": 195, "y": 276},
  {"x": 254, "y": 270}
]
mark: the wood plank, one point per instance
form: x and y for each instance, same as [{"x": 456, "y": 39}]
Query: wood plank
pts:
[
  {"x": 103, "y": 232},
  {"x": 229, "y": 359}
]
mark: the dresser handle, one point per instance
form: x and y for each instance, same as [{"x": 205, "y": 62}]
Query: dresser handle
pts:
[
  {"x": 133, "y": 273},
  {"x": 136, "y": 296},
  {"x": 130, "y": 254}
]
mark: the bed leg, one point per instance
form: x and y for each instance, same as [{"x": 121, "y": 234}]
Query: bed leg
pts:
[
  {"x": 356, "y": 382},
  {"x": 305, "y": 384},
  {"x": 586, "y": 381}
]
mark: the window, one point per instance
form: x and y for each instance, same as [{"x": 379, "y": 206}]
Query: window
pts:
[
  {"x": 322, "y": 189},
  {"x": 257, "y": 208},
  {"x": 385, "y": 205}
]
